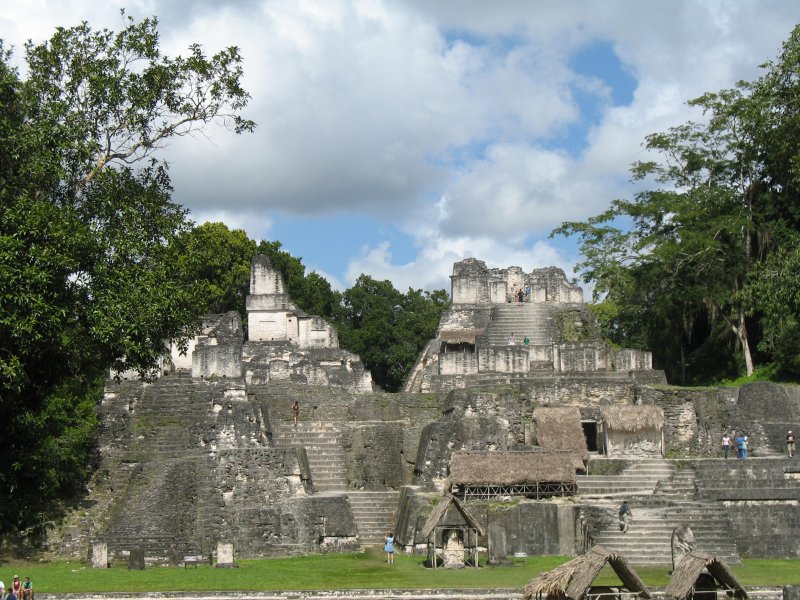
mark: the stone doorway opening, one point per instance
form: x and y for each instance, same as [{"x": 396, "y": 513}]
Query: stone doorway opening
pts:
[{"x": 593, "y": 434}]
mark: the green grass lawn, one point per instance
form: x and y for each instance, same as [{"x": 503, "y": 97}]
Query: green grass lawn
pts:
[{"x": 339, "y": 571}]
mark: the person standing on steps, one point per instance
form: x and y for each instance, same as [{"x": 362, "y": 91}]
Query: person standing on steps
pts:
[
  {"x": 388, "y": 547},
  {"x": 295, "y": 406},
  {"x": 726, "y": 444},
  {"x": 520, "y": 297},
  {"x": 625, "y": 515},
  {"x": 741, "y": 445},
  {"x": 790, "y": 444}
]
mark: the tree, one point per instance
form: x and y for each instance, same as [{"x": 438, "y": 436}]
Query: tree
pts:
[
  {"x": 386, "y": 328},
  {"x": 217, "y": 259},
  {"x": 86, "y": 227},
  {"x": 683, "y": 258}
]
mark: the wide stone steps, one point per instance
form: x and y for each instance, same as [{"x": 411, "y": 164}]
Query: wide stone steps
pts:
[
  {"x": 537, "y": 322},
  {"x": 649, "y": 537},
  {"x": 681, "y": 486},
  {"x": 374, "y": 514},
  {"x": 326, "y": 458},
  {"x": 641, "y": 476}
]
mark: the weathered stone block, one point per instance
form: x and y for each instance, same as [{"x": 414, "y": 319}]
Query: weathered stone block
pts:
[
  {"x": 99, "y": 555},
  {"x": 136, "y": 559}
]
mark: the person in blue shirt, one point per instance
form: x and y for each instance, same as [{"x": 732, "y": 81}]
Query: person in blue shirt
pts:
[
  {"x": 741, "y": 445},
  {"x": 388, "y": 547}
]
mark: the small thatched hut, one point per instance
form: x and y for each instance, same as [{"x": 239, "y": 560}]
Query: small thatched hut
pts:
[
  {"x": 452, "y": 538},
  {"x": 573, "y": 580},
  {"x": 633, "y": 430},
  {"x": 533, "y": 474},
  {"x": 687, "y": 579},
  {"x": 559, "y": 428}
]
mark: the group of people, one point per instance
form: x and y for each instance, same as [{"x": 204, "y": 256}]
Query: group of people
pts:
[
  {"x": 742, "y": 443},
  {"x": 512, "y": 341},
  {"x": 19, "y": 590},
  {"x": 521, "y": 295}
]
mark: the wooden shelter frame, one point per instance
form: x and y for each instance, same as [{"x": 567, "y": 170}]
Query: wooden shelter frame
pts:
[
  {"x": 470, "y": 551},
  {"x": 535, "y": 490},
  {"x": 434, "y": 529}
]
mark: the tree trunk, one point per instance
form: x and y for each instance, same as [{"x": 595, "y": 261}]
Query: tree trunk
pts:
[{"x": 741, "y": 333}]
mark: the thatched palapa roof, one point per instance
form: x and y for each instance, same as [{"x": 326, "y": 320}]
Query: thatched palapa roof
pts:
[
  {"x": 685, "y": 575},
  {"x": 572, "y": 580},
  {"x": 559, "y": 428},
  {"x": 510, "y": 468},
  {"x": 632, "y": 418},
  {"x": 459, "y": 336},
  {"x": 439, "y": 511}
]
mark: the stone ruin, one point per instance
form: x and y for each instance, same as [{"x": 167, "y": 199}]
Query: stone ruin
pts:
[
  {"x": 488, "y": 336},
  {"x": 206, "y": 456}
]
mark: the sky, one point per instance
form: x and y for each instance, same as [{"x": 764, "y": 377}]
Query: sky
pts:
[{"x": 395, "y": 138}]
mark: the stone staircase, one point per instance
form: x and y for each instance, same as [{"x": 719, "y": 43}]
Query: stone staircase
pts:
[
  {"x": 374, "y": 513},
  {"x": 326, "y": 458},
  {"x": 649, "y": 536},
  {"x": 641, "y": 477},
  {"x": 157, "y": 455},
  {"x": 680, "y": 486},
  {"x": 537, "y": 322}
]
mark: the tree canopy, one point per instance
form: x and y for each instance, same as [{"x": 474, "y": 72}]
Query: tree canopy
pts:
[
  {"x": 694, "y": 266},
  {"x": 86, "y": 225},
  {"x": 385, "y": 327}
]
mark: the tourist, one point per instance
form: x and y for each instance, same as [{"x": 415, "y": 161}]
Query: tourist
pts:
[
  {"x": 526, "y": 341},
  {"x": 790, "y": 444},
  {"x": 11, "y": 595},
  {"x": 27, "y": 589},
  {"x": 726, "y": 444},
  {"x": 511, "y": 340},
  {"x": 625, "y": 515},
  {"x": 295, "y": 411},
  {"x": 741, "y": 446},
  {"x": 388, "y": 547},
  {"x": 16, "y": 587},
  {"x": 520, "y": 297}
]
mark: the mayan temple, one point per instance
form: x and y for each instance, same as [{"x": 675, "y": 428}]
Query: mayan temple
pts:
[{"x": 519, "y": 430}]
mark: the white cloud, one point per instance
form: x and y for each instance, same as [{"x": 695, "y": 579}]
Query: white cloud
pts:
[{"x": 442, "y": 118}]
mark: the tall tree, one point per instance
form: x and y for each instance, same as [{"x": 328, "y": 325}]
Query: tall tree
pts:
[
  {"x": 217, "y": 259},
  {"x": 386, "y": 328},
  {"x": 85, "y": 228},
  {"x": 685, "y": 255}
]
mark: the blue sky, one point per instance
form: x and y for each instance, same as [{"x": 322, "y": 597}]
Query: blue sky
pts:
[{"x": 397, "y": 137}]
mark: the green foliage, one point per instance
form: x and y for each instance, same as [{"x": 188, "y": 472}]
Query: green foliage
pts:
[
  {"x": 698, "y": 266},
  {"x": 386, "y": 328},
  {"x": 85, "y": 236},
  {"x": 218, "y": 259}
]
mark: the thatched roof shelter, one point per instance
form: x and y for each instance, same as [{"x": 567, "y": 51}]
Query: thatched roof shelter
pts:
[
  {"x": 559, "y": 428},
  {"x": 684, "y": 577},
  {"x": 573, "y": 579},
  {"x": 633, "y": 418},
  {"x": 510, "y": 468},
  {"x": 440, "y": 534},
  {"x": 459, "y": 336},
  {"x": 438, "y": 513}
]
